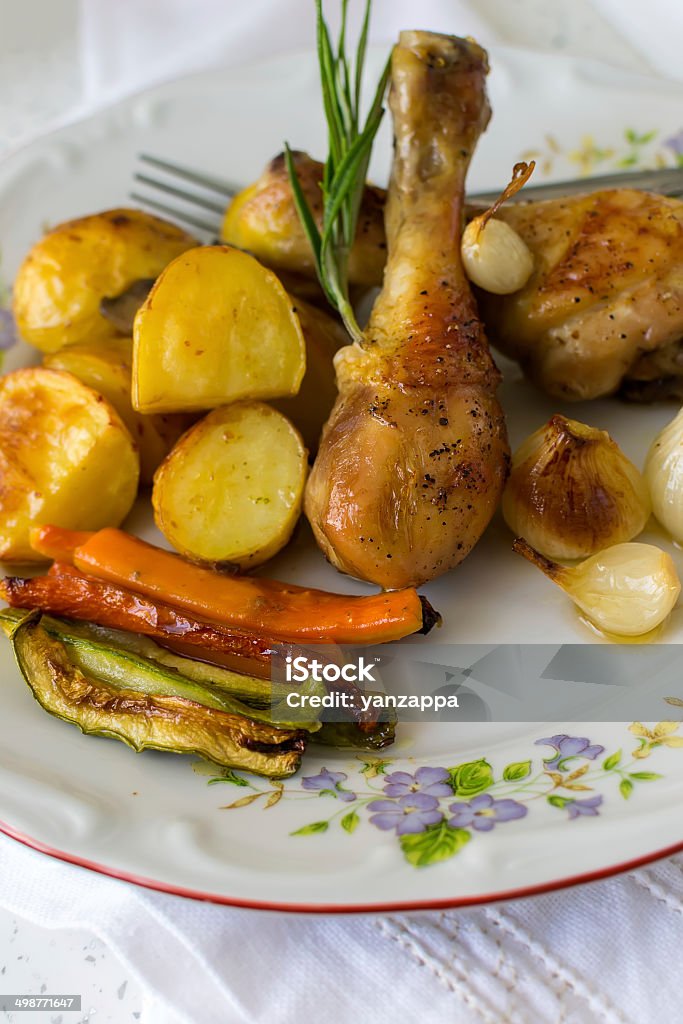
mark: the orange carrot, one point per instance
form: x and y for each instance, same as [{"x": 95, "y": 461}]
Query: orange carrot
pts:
[
  {"x": 65, "y": 591},
  {"x": 57, "y": 543},
  {"x": 266, "y": 607}
]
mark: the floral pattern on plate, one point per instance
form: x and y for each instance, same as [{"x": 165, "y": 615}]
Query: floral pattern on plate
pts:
[{"x": 434, "y": 811}]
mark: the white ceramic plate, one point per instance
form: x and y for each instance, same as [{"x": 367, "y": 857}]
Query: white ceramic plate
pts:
[{"x": 317, "y": 843}]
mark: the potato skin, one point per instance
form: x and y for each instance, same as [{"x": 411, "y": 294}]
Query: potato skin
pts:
[
  {"x": 263, "y": 219},
  {"x": 67, "y": 273},
  {"x": 66, "y": 458},
  {"x": 231, "y": 490},
  {"x": 106, "y": 366}
]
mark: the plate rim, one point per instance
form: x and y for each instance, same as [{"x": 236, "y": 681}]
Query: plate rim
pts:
[{"x": 401, "y": 906}]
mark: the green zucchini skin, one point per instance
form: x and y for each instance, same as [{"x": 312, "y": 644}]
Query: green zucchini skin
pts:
[
  {"x": 113, "y": 656},
  {"x": 144, "y": 720},
  {"x": 116, "y": 657}
]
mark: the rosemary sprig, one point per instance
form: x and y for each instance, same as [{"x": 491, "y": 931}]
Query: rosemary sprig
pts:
[{"x": 346, "y": 167}]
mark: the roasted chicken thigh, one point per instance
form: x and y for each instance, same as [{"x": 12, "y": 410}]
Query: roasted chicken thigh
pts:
[{"x": 603, "y": 309}]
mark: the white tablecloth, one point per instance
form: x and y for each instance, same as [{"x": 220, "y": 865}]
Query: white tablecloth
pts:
[{"x": 605, "y": 952}]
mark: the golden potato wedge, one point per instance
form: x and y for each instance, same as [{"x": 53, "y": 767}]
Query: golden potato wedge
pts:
[
  {"x": 216, "y": 327},
  {"x": 231, "y": 489},
  {"x": 263, "y": 219},
  {"x": 106, "y": 366},
  {"x": 60, "y": 285},
  {"x": 66, "y": 458},
  {"x": 308, "y": 410}
]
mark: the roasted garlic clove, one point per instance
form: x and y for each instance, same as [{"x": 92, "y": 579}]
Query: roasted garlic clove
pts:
[
  {"x": 494, "y": 256},
  {"x": 572, "y": 491},
  {"x": 664, "y": 476},
  {"x": 625, "y": 590}
]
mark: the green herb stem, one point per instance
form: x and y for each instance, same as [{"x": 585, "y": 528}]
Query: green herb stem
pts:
[{"x": 346, "y": 167}]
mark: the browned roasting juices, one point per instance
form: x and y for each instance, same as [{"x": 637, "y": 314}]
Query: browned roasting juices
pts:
[{"x": 414, "y": 456}]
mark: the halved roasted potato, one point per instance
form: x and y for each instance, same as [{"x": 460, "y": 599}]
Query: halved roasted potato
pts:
[
  {"x": 216, "y": 327},
  {"x": 59, "y": 286},
  {"x": 309, "y": 408},
  {"x": 106, "y": 366},
  {"x": 66, "y": 457},
  {"x": 231, "y": 489}
]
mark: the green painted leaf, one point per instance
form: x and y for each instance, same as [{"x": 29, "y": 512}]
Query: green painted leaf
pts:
[
  {"x": 625, "y": 788},
  {"x": 471, "y": 778},
  {"x": 228, "y": 776},
  {"x": 645, "y": 776},
  {"x": 558, "y": 801},
  {"x": 517, "y": 771},
  {"x": 436, "y": 843},
  {"x": 612, "y": 761},
  {"x": 350, "y": 821},
  {"x": 308, "y": 830}
]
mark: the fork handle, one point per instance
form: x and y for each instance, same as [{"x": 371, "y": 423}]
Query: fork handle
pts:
[{"x": 666, "y": 182}]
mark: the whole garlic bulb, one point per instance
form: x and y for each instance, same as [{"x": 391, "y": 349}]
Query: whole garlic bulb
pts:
[
  {"x": 628, "y": 589},
  {"x": 572, "y": 491},
  {"x": 495, "y": 257},
  {"x": 664, "y": 476}
]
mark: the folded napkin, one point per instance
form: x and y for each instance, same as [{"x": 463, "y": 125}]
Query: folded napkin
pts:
[{"x": 605, "y": 953}]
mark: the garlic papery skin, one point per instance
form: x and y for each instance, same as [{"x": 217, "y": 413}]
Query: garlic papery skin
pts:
[
  {"x": 664, "y": 476},
  {"x": 572, "y": 491},
  {"x": 495, "y": 257},
  {"x": 625, "y": 590}
]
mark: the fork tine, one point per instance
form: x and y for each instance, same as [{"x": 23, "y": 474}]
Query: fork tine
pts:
[
  {"x": 188, "y": 197},
  {"x": 205, "y": 180},
  {"x": 175, "y": 214}
]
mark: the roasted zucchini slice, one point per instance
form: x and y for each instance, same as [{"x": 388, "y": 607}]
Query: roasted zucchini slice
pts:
[{"x": 146, "y": 712}]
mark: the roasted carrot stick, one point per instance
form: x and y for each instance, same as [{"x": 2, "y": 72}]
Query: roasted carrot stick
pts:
[
  {"x": 57, "y": 543},
  {"x": 279, "y": 610},
  {"x": 65, "y": 591}
]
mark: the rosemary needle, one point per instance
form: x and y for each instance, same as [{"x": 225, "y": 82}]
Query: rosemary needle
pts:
[{"x": 345, "y": 171}]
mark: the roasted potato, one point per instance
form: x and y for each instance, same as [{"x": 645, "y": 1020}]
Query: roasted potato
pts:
[
  {"x": 106, "y": 366},
  {"x": 66, "y": 458},
  {"x": 231, "y": 489},
  {"x": 216, "y": 327},
  {"x": 263, "y": 219},
  {"x": 311, "y": 406},
  {"x": 60, "y": 285}
]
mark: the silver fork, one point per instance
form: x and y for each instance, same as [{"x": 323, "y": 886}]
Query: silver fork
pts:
[{"x": 202, "y": 199}]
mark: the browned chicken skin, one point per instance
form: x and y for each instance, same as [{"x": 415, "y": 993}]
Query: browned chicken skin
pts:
[
  {"x": 604, "y": 306},
  {"x": 619, "y": 252},
  {"x": 414, "y": 456}
]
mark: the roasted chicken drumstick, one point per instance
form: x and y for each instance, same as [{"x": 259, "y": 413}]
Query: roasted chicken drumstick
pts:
[{"x": 414, "y": 456}]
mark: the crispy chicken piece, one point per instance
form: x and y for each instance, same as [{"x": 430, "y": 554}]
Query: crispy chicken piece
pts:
[
  {"x": 603, "y": 309},
  {"x": 414, "y": 456},
  {"x": 620, "y": 252}
]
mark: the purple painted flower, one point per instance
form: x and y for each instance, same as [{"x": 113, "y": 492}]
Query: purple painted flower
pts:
[
  {"x": 432, "y": 781},
  {"x": 589, "y": 807},
  {"x": 410, "y": 813},
  {"x": 567, "y": 747},
  {"x": 483, "y": 812},
  {"x": 675, "y": 143},
  {"x": 328, "y": 782},
  {"x": 8, "y": 331}
]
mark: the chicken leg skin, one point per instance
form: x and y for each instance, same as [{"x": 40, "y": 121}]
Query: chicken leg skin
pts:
[{"x": 414, "y": 456}]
